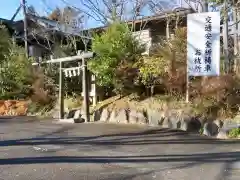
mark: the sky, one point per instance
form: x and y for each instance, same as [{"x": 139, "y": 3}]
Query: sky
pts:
[
  {"x": 43, "y": 7},
  {"x": 9, "y": 7}
]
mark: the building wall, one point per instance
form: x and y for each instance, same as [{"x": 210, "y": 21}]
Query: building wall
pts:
[
  {"x": 158, "y": 31},
  {"x": 35, "y": 51},
  {"x": 155, "y": 32},
  {"x": 144, "y": 38}
]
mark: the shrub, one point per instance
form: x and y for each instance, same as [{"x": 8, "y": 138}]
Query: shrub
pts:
[
  {"x": 43, "y": 89},
  {"x": 234, "y": 133},
  {"x": 117, "y": 52},
  {"x": 15, "y": 74},
  {"x": 152, "y": 70},
  {"x": 167, "y": 64}
]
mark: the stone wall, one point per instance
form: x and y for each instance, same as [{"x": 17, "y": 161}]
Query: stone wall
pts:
[
  {"x": 173, "y": 119},
  {"x": 13, "y": 108}
]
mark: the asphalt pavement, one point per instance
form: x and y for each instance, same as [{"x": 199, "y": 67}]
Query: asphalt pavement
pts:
[{"x": 48, "y": 150}]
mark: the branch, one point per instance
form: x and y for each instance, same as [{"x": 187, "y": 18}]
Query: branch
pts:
[{"x": 98, "y": 19}]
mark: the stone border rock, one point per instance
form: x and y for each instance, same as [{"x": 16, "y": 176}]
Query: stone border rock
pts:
[{"x": 170, "y": 119}]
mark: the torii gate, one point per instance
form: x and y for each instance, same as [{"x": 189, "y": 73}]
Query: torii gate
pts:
[{"x": 74, "y": 71}]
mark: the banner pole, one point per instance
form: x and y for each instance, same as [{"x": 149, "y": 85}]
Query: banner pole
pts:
[{"x": 187, "y": 87}]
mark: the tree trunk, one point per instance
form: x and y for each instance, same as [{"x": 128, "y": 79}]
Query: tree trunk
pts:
[{"x": 167, "y": 29}]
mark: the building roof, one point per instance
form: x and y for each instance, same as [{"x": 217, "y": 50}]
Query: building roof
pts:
[
  {"x": 159, "y": 17},
  {"x": 164, "y": 15},
  {"x": 55, "y": 26}
]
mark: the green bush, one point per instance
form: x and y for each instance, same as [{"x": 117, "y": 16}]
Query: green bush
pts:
[
  {"x": 234, "y": 133},
  {"x": 15, "y": 76},
  {"x": 117, "y": 52}
]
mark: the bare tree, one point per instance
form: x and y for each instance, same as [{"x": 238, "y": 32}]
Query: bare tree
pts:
[
  {"x": 66, "y": 21},
  {"x": 104, "y": 11},
  {"x": 171, "y": 15}
]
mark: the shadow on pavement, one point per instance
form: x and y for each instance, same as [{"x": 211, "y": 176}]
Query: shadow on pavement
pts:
[
  {"x": 146, "y": 137},
  {"x": 200, "y": 158},
  {"x": 149, "y": 137},
  {"x": 186, "y": 161},
  {"x": 18, "y": 119}
]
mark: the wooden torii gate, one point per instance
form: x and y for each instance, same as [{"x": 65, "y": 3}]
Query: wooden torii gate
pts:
[{"x": 81, "y": 56}]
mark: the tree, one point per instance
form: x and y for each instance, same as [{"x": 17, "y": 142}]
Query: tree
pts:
[
  {"x": 19, "y": 79},
  {"x": 4, "y": 43},
  {"x": 55, "y": 15},
  {"x": 102, "y": 11},
  {"x": 117, "y": 52},
  {"x": 167, "y": 65},
  {"x": 66, "y": 19},
  {"x": 65, "y": 15},
  {"x": 15, "y": 69},
  {"x": 31, "y": 10}
]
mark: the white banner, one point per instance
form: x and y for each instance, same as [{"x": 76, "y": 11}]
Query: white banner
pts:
[{"x": 203, "y": 44}]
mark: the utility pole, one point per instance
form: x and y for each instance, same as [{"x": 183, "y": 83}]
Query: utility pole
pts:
[
  {"x": 225, "y": 37},
  {"x": 23, "y": 4}
]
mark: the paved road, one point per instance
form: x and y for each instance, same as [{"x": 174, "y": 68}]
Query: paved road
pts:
[{"x": 47, "y": 150}]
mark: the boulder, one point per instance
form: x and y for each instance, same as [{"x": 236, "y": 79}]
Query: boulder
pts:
[
  {"x": 190, "y": 124},
  {"x": 142, "y": 118},
  {"x": 175, "y": 121},
  {"x": 219, "y": 123},
  {"x": 170, "y": 119},
  {"x": 113, "y": 115},
  {"x": 167, "y": 123},
  {"x": 105, "y": 115},
  {"x": 184, "y": 122},
  {"x": 80, "y": 120},
  {"x": 222, "y": 134},
  {"x": 9, "y": 104},
  {"x": 154, "y": 117},
  {"x": 122, "y": 117},
  {"x": 77, "y": 114},
  {"x": 2, "y": 110},
  {"x": 97, "y": 115},
  {"x": 20, "y": 111},
  {"x": 161, "y": 121},
  {"x": 71, "y": 114},
  {"x": 210, "y": 129},
  {"x": 184, "y": 125},
  {"x": 138, "y": 117},
  {"x": 132, "y": 117},
  {"x": 194, "y": 125}
]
